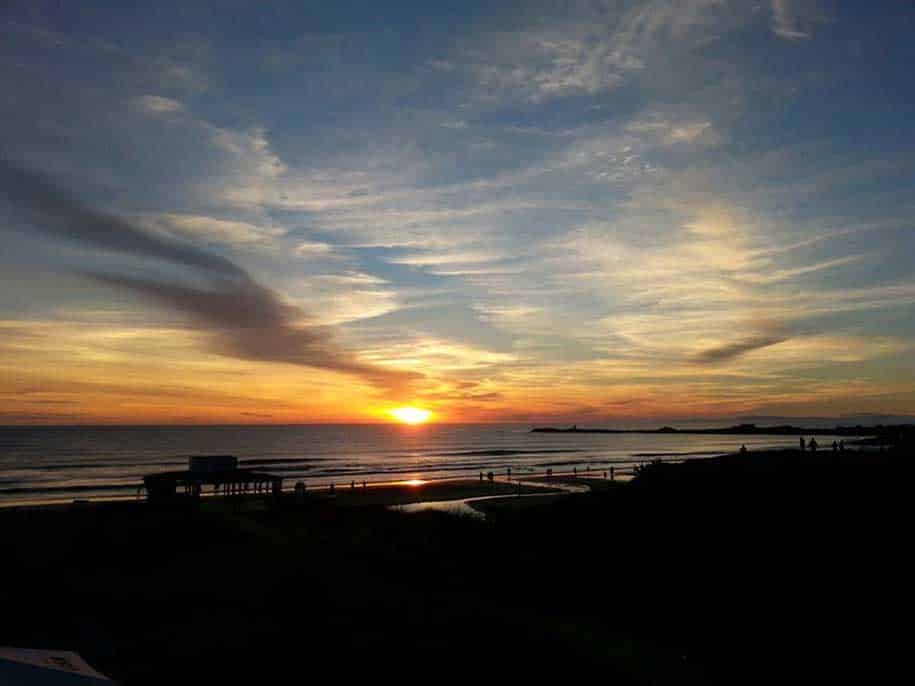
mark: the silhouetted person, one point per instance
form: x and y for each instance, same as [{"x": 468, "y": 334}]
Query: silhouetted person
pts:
[
  {"x": 743, "y": 450},
  {"x": 332, "y": 489},
  {"x": 802, "y": 444},
  {"x": 835, "y": 446},
  {"x": 481, "y": 476},
  {"x": 813, "y": 444},
  {"x": 575, "y": 471},
  {"x": 352, "y": 484},
  {"x": 509, "y": 472},
  {"x": 842, "y": 446}
]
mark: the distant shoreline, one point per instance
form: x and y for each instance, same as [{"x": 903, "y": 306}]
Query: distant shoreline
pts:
[{"x": 747, "y": 430}]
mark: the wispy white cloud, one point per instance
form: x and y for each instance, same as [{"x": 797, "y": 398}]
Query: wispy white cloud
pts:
[
  {"x": 777, "y": 275},
  {"x": 615, "y": 248},
  {"x": 156, "y": 104},
  {"x": 313, "y": 249},
  {"x": 785, "y": 21},
  {"x": 430, "y": 353},
  {"x": 207, "y": 229},
  {"x": 670, "y": 132},
  {"x": 543, "y": 66},
  {"x": 441, "y": 65},
  {"x": 679, "y": 300},
  {"x": 349, "y": 296},
  {"x": 446, "y": 258},
  {"x": 595, "y": 52}
]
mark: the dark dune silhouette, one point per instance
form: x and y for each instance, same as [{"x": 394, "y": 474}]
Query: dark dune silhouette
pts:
[{"x": 740, "y": 569}]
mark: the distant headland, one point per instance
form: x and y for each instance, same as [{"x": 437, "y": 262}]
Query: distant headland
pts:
[{"x": 890, "y": 432}]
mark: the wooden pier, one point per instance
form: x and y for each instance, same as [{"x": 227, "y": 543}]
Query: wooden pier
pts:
[{"x": 220, "y": 472}]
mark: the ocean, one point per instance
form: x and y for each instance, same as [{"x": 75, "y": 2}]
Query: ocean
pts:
[{"x": 60, "y": 464}]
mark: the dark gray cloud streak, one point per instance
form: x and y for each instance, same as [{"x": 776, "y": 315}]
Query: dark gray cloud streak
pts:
[
  {"x": 56, "y": 213},
  {"x": 245, "y": 319},
  {"x": 727, "y": 352}
]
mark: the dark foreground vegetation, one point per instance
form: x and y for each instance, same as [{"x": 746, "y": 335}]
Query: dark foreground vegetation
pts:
[{"x": 762, "y": 568}]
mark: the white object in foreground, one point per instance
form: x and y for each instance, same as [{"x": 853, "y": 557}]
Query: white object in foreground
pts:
[{"x": 26, "y": 666}]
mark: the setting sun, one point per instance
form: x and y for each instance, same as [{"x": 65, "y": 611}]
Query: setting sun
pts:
[{"x": 410, "y": 415}]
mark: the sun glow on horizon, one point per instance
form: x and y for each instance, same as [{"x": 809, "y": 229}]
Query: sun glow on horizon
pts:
[{"x": 410, "y": 415}]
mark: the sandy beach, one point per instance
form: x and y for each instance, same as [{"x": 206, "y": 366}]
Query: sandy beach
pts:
[{"x": 383, "y": 494}]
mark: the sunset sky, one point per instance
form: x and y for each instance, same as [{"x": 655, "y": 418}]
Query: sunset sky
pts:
[{"x": 600, "y": 212}]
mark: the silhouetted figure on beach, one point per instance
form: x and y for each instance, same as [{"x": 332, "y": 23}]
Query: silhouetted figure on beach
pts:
[
  {"x": 802, "y": 444},
  {"x": 813, "y": 445},
  {"x": 509, "y": 472},
  {"x": 612, "y": 474},
  {"x": 841, "y": 446},
  {"x": 481, "y": 476},
  {"x": 835, "y": 447},
  {"x": 743, "y": 450}
]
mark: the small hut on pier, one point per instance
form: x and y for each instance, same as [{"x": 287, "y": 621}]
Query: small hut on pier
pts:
[{"x": 221, "y": 472}]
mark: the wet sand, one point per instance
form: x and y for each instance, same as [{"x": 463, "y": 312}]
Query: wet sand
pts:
[
  {"x": 387, "y": 495},
  {"x": 372, "y": 494}
]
